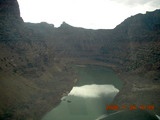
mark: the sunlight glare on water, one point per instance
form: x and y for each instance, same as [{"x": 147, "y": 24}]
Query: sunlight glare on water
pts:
[{"x": 93, "y": 90}]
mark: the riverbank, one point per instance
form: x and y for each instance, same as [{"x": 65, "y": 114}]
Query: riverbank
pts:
[
  {"x": 137, "y": 89},
  {"x": 96, "y": 87}
]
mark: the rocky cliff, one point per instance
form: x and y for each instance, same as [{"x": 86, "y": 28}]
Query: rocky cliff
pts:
[{"x": 30, "y": 74}]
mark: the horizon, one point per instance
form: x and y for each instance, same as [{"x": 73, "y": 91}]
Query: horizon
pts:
[{"x": 89, "y": 14}]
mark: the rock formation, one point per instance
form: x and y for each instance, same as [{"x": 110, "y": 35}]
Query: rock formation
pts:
[{"x": 35, "y": 60}]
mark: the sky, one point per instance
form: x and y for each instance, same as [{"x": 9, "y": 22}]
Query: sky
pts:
[{"x": 91, "y": 14}]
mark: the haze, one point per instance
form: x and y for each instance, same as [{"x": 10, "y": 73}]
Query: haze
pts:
[{"x": 94, "y": 14}]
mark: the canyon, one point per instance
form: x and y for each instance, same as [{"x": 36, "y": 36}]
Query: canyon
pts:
[{"x": 37, "y": 58}]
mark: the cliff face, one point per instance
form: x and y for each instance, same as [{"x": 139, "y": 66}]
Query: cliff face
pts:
[
  {"x": 132, "y": 45},
  {"x": 141, "y": 27},
  {"x": 35, "y": 59},
  {"x": 10, "y": 20},
  {"x": 9, "y": 8},
  {"x": 30, "y": 76}
]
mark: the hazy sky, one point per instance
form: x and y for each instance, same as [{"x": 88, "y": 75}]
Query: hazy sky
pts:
[{"x": 95, "y": 14}]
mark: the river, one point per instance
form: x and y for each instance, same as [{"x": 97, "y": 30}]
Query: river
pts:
[{"x": 96, "y": 87}]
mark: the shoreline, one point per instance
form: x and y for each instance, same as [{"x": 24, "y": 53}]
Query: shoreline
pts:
[
  {"x": 129, "y": 80},
  {"x": 134, "y": 87}
]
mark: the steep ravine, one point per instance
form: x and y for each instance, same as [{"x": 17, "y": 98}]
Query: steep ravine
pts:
[{"x": 36, "y": 61}]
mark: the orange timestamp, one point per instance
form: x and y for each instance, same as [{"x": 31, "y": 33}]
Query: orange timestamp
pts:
[{"x": 130, "y": 107}]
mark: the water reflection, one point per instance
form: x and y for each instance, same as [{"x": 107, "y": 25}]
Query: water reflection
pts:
[
  {"x": 87, "y": 101},
  {"x": 93, "y": 90},
  {"x": 84, "y": 103}
]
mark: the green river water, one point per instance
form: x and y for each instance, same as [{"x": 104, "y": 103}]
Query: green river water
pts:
[{"x": 96, "y": 87}]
